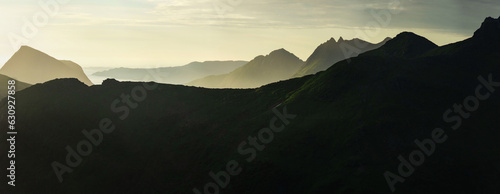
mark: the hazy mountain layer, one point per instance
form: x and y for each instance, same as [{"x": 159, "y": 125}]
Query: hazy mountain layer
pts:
[
  {"x": 32, "y": 66},
  {"x": 278, "y": 65},
  {"x": 332, "y": 52},
  {"x": 173, "y": 75}
]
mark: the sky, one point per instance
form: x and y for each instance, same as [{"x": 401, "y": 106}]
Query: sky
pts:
[{"x": 157, "y": 33}]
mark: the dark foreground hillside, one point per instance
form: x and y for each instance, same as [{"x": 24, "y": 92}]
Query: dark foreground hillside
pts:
[{"x": 343, "y": 129}]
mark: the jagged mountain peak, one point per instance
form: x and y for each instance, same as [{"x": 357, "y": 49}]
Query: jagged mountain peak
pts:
[
  {"x": 330, "y": 52},
  {"x": 490, "y": 29}
]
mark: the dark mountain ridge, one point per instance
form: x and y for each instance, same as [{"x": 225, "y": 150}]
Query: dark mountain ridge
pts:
[{"x": 406, "y": 44}]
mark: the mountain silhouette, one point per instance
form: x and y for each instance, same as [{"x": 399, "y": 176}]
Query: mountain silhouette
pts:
[
  {"x": 344, "y": 128},
  {"x": 32, "y": 66},
  {"x": 489, "y": 30},
  {"x": 173, "y": 75},
  {"x": 278, "y": 65},
  {"x": 406, "y": 45},
  {"x": 332, "y": 52},
  {"x": 484, "y": 40}
]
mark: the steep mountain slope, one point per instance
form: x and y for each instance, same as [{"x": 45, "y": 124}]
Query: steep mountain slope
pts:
[
  {"x": 484, "y": 40},
  {"x": 32, "y": 66},
  {"x": 278, "y": 65},
  {"x": 349, "y": 126},
  {"x": 392, "y": 101},
  {"x": 174, "y": 75},
  {"x": 332, "y": 52},
  {"x": 3, "y": 81}
]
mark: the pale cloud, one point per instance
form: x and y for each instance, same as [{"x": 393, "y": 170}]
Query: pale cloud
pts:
[
  {"x": 449, "y": 15},
  {"x": 166, "y": 32}
]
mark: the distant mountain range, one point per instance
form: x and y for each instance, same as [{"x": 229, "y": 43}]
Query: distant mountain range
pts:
[
  {"x": 19, "y": 85},
  {"x": 260, "y": 71},
  {"x": 338, "y": 131},
  {"x": 32, "y": 66},
  {"x": 278, "y": 65},
  {"x": 332, "y": 52},
  {"x": 268, "y": 69},
  {"x": 173, "y": 75}
]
